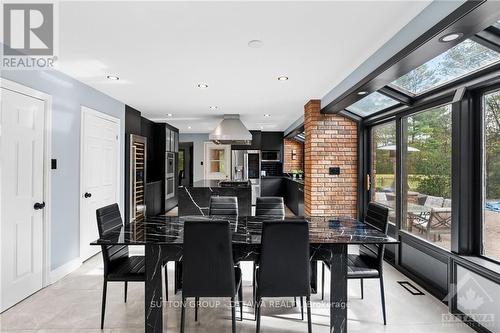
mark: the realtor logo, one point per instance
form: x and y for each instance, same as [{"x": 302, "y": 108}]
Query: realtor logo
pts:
[{"x": 28, "y": 29}]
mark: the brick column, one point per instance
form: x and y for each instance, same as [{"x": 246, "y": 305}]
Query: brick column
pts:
[{"x": 331, "y": 141}]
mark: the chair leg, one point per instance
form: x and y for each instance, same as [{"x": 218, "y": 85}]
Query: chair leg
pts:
[
  {"x": 196, "y": 301},
  {"x": 295, "y": 302},
  {"x": 257, "y": 307},
  {"x": 362, "y": 289},
  {"x": 322, "y": 281},
  {"x": 166, "y": 283},
  {"x": 125, "y": 296},
  {"x": 103, "y": 309},
  {"x": 382, "y": 296},
  {"x": 240, "y": 299},
  {"x": 309, "y": 321},
  {"x": 183, "y": 314},
  {"x": 302, "y": 307},
  {"x": 233, "y": 314}
]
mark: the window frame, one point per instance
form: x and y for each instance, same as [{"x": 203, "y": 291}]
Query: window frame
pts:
[{"x": 480, "y": 169}]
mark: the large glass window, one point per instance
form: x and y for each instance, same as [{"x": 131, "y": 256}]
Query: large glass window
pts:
[
  {"x": 383, "y": 166},
  {"x": 426, "y": 168},
  {"x": 372, "y": 103},
  {"x": 491, "y": 175},
  {"x": 457, "y": 62}
]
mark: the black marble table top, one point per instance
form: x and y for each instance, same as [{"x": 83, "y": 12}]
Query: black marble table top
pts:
[{"x": 247, "y": 230}]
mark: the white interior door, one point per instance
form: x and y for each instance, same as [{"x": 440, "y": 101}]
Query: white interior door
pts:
[
  {"x": 100, "y": 161},
  {"x": 217, "y": 161},
  {"x": 22, "y": 130}
]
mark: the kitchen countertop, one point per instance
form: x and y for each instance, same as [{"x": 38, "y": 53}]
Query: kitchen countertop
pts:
[
  {"x": 211, "y": 183},
  {"x": 300, "y": 181}
]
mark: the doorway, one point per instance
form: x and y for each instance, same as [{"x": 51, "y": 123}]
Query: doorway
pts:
[
  {"x": 186, "y": 164},
  {"x": 99, "y": 173},
  {"x": 24, "y": 192}
]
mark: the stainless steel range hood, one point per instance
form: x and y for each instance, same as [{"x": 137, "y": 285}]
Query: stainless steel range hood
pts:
[{"x": 231, "y": 131}]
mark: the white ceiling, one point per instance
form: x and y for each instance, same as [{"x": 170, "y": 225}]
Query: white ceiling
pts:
[{"x": 162, "y": 50}]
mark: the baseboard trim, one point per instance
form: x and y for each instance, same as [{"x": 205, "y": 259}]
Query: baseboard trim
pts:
[{"x": 63, "y": 270}]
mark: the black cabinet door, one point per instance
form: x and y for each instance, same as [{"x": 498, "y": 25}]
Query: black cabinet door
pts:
[
  {"x": 272, "y": 141},
  {"x": 271, "y": 187}
]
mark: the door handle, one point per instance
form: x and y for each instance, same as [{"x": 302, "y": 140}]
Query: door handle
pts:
[
  {"x": 39, "y": 205},
  {"x": 87, "y": 195}
]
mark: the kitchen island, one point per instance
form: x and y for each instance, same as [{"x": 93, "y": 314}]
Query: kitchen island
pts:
[{"x": 194, "y": 200}]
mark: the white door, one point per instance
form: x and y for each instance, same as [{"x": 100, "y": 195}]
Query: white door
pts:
[
  {"x": 22, "y": 126},
  {"x": 217, "y": 161},
  {"x": 100, "y": 161}
]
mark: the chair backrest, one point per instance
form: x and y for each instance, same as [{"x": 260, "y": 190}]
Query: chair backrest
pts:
[
  {"x": 377, "y": 217},
  {"x": 270, "y": 206},
  {"x": 208, "y": 267},
  {"x": 284, "y": 260},
  {"x": 227, "y": 206},
  {"x": 432, "y": 201},
  {"x": 108, "y": 219}
]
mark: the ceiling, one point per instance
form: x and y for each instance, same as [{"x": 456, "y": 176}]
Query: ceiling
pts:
[{"x": 161, "y": 51}]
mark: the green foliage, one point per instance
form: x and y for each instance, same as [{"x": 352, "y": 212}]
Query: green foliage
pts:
[{"x": 492, "y": 145}]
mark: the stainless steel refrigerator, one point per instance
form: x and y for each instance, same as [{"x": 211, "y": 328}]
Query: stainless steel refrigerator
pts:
[{"x": 245, "y": 166}]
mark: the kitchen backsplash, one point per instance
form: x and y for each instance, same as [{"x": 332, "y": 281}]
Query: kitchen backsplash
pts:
[{"x": 272, "y": 168}]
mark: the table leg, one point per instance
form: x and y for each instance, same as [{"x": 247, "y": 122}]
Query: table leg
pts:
[
  {"x": 338, "y": 288},
  {"x": 314, "y": 277},
  {"x": 153, "y": 290}
]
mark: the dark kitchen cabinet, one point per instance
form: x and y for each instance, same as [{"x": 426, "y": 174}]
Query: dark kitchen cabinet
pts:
[
  {"x": 272, "y": 187},
  {"x": 272, "y": 141},
  {"x": 294, "y": 196}
]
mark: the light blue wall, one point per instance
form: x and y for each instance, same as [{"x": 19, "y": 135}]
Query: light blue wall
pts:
[
  {"x": 68, "y": 95},
  {"x": 198, "y": 141}
]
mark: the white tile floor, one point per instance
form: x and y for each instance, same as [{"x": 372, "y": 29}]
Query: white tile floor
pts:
[{"x": 73, "y": 305}]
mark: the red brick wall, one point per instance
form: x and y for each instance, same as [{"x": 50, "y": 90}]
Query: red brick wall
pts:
[
  {"x": 297, "y": 163},
  {"x": 331, "y": 141}
]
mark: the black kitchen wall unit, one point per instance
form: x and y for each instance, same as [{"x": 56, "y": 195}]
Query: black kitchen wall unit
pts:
[
  {"x": 272, "y": 141},
  {"x": 156, "y": 158}
]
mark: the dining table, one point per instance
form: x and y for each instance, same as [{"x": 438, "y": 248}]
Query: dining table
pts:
[{"x": 162, "y": 237}]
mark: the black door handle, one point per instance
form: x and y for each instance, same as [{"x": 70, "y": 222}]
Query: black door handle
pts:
[
  {"x": 87, "y": 195},
  {"x": 39, "y": 205}
]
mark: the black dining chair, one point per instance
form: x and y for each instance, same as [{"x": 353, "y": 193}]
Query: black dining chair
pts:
[
  {"x": 227, "y": 206},
  {"x": 368, "y": 264},
  {"x": 118, "y": 265},
  {"x": 284, "y": 268},
  {"x": 270, "y": 206},
  {"x": 208, "y": 268}
]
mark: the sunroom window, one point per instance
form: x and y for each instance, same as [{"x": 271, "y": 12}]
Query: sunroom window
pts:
[
  {"x": 460, "y": 60},
  {"x": 372, "y": 103}
]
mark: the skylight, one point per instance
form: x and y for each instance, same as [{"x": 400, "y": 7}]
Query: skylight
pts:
[
  {"x": 460, "y": 60},
  {"x": 497, "y": 24},
  {"x": 372, "y": 103}
]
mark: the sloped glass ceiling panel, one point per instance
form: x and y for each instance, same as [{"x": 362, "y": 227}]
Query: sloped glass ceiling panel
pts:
[
  {"x": 372, "y": 103},
  {"x": 497, "y": 24},
  {"x": 461, "y": 60}
]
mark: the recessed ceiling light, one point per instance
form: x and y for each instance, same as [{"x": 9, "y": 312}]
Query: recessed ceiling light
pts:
[
  {"x": 361, "y": 93},
  {"x": 169, "y": 115},
  {"x": 282, "y": 78},
  {"x": 202, "y": 85},
  {"x": 213, "y": 107},
  {"x": 451, "y": 37},
  {"x": 189, "y": 127},
  {"x": 113, "y": 77},
  {"x": 262, "y": 127},
  {"x": 255, "y": 44},
  {"x": 267, "y": 115}
]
